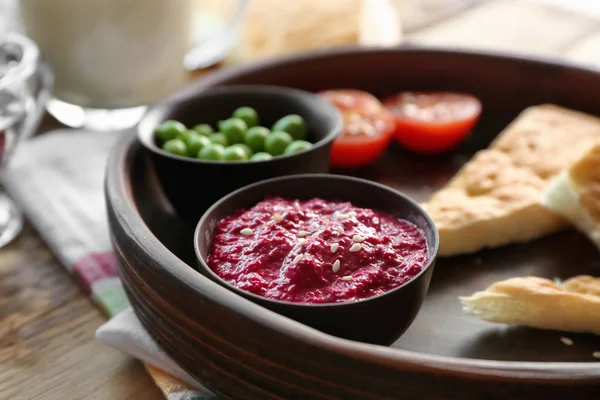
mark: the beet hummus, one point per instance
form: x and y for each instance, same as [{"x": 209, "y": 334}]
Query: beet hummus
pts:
[{"x": 316, "y": 251}]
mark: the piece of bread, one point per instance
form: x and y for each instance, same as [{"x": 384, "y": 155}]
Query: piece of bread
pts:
[
  {"x": 575, "y": 194},
  {"x": 572, "y": 306},
  {"x": 495, "y": 198},
  {"x": 275, "y": 27}
]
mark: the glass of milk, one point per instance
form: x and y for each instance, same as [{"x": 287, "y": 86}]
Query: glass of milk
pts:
[{"x": 111, "y": 58}]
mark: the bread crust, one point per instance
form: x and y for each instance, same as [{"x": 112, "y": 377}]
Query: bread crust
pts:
[{"x": 572, "y": 306}]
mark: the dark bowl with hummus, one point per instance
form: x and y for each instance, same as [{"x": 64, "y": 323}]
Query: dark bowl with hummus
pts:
[
  {"x": 344, "y": 255},
  {"x": 192, "y": 185}
]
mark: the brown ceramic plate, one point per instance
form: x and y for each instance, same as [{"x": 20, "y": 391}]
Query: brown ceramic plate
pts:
[{"x": 244, "y": 351}]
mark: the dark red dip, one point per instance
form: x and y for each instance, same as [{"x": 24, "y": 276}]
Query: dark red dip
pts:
[{"x": 289, "y": 250}]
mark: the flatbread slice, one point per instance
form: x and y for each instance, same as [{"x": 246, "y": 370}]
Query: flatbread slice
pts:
[
  {"x": 573, "y": 306},
  {"x": 495, "y": 198},
  {"x": 575, "y": 194}
]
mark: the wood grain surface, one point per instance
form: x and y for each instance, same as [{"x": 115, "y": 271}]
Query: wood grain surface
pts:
[{"x": 47, "y": 348}]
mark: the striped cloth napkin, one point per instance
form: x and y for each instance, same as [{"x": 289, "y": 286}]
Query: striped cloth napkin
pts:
[{"x": 57, "y": 179}]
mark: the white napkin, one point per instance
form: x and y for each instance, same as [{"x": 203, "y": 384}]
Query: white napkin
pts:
[
  {"x": 126, "y": 333},
  {"x": 57, "y": 179}
]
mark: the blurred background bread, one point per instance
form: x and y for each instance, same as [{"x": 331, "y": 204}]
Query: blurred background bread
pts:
[{"x": 275, "y": 27}]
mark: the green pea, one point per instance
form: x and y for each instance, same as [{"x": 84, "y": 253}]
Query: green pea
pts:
[
  {"x": 185, "y": 135},
  {"x": 169, "y": 130},
  {"x": 276, "y": 142},
  {"x": 234, "y": 129},
  {"x": 175, "y": 146},
  {"x": 255, "y": 138},
  {"x": 235, "y": 153},
  {"x": 261, "y": 156},
  {"x": 195, "y": 143},
  {"x": 297, "y": 146},
  {"x": 246, "y": 149},
  {"x": 204, "y": 129},
  {"x": 219, "y": 138},
  {"x": 248, "y": 115},
  {"x": 292, "y": 124},
  {"x": 214, "y": 152}
]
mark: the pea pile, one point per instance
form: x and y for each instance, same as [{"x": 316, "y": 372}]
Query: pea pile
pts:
[{"x": 239, "y": 138}]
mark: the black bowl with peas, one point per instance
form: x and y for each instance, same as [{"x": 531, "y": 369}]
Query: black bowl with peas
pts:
[
  {"x": 238, "y": 138},
  {"x": 205, "y": 145}
]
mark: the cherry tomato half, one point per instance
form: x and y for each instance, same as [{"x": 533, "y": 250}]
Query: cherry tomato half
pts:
[
  {"x": 352, "y": 100},
  {"x": 432, "y": 122},
  {"x": 368, "y": 128},
  {"x": 364, "y": 139}
]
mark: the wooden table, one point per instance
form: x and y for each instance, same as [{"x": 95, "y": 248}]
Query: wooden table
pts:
[{"x": 47, "y": 346}]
